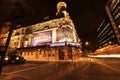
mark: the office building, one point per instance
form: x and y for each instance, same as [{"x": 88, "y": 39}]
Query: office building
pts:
[
  {"x": 105, "y": 34},
  {"x": 109, "y": 30},
  {"x": 113, "y": 11}
]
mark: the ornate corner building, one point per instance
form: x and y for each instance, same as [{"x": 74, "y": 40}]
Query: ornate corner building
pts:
[{"x": 55, "y": 39}]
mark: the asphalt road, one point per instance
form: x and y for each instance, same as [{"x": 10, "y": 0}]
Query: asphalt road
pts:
[
  {"x": 97, "y": 69},
  {"x": 82, "y": 69}
]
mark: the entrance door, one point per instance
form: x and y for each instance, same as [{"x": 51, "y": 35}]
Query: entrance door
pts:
[{"x": 61, "y": 55}]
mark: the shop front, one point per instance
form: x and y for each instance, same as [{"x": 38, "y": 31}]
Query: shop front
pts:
[{"x": 51, "y": 52}]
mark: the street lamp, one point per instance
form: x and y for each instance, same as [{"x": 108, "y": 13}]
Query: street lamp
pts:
[
  {"x": 119, "y": 26},
  {"x": 12, "y": 22},
  {"x": 86, "y": 43},
  {"x": 110, "y": 42}
]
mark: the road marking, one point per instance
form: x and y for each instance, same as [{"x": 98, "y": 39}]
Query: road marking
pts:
[
  {"x": 16, "y": 77},
  {"x": 114, "y": 69},
  {"x": 28, "y": 69}
]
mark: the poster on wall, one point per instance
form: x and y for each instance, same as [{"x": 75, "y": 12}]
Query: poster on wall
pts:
[
  {"x": 65, "y": 33},
  {"x": 41, "y": 38}
]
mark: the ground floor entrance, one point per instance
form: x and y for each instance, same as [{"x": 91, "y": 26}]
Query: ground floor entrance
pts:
[{"x": 50, "y": 53}]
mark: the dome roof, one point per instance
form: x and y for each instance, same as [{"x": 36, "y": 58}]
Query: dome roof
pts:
[{"x": 61, "y": 4}]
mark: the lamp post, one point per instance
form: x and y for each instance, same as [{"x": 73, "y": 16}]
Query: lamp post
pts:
[
  {"x": 86, "y": 43},
  {"x": 13, "y": 20},
  {"x": 3, "y": 49},
  {"x": 87, "y": 46}
]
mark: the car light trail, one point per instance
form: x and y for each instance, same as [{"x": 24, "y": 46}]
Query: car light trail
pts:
[{"x": 107, "y": 56}]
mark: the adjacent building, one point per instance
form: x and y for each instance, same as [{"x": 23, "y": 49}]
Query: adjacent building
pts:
[
  {"x": 113, "y": 11},
  {"x": 105, "y": 34},
  {"x": 108, "y": 33},
  {"x": 109, "y": 29}
]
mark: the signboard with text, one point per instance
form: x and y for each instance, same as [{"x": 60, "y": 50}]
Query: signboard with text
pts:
[
  {"x": 64, "y": 33},
  {"x": 41, "y": 38}
]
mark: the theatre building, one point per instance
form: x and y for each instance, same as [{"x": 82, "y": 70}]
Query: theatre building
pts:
[{"x": 51, "y": 40}]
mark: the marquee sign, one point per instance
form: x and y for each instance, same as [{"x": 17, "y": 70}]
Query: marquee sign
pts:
[{"x": 41, "y": 38}]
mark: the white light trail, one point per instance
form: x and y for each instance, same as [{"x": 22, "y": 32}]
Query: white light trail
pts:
[{"x": 106, "y": 56}]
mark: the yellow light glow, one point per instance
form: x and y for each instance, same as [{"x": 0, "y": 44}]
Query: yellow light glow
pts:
[
  {"x": 86, "y": 43},
  {"x": 119, "y": 26}
]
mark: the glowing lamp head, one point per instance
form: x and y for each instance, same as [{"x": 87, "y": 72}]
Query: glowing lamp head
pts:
[{"x": 6, "y": 58}]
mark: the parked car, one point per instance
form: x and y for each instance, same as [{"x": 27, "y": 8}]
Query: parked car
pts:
[{"x": 14, "y": 58}]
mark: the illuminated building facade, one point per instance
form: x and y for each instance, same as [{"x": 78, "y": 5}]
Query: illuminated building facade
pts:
[
  {"x": 113, "y": 11},
  {"x": 51, "y": 40},
  {"x": 109, "y": 30},
  {"x": 55, "y": 38},
  {"x": 105, "y": 34}
]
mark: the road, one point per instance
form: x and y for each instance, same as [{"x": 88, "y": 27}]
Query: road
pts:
[
  {"x": 82, "y": 69},
  {"x": 97, "y": 69}
]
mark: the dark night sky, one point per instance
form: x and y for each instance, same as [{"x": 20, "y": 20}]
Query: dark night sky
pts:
[{"x": 86, "y": 14}]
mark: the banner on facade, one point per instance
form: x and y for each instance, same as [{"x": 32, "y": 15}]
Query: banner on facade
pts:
[{"x": 41, "y": 38}]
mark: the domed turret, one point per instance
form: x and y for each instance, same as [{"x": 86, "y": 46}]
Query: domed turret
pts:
[{"x": 61, "y": 10}]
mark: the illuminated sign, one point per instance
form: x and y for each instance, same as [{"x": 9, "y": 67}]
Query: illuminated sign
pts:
[
  {"x": 64, "y": 33},
  {"x": 74, "y": 44},
  {"x": 57, "y": 44},
  {"x": 65, "y": 43},
  {"x": 41, "y": 38}
]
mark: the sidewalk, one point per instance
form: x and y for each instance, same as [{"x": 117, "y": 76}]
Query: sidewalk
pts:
[{"x": 4, "y": 76}]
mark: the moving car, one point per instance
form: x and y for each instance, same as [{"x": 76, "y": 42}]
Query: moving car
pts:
[{"x": 14, "y": 58}]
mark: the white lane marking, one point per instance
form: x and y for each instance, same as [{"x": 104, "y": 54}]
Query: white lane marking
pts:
[
  {"x": 109, "y": 67},
  {"x": 28, "y": 69}
]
